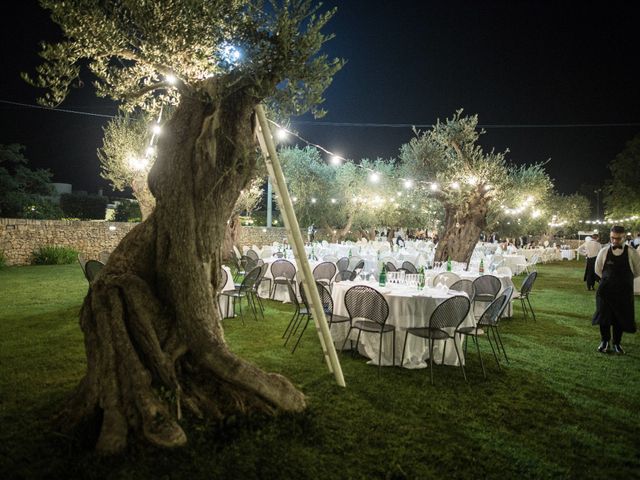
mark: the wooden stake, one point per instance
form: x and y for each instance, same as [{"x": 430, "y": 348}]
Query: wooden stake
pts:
[{"x": 295, "y": 239}]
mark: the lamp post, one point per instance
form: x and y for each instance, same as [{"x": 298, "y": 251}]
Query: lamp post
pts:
[{"x": 597, "y": 192}]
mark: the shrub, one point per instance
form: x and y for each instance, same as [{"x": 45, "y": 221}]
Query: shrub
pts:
[
  {"x": 54, "y": 255},
  {"x": 84, "y": 207},
  {"x": 3, "y": 260},
  {"x": 127, "y": 211}
]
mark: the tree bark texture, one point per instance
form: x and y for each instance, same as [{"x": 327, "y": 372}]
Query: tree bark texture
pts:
[
  {"x": 153, "y": 335},
  {"x": 462, "y": 228},
  {"x": 231, "y": 235}
]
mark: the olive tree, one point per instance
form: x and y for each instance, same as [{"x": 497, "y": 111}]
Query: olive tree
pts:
[
  {"x": 153, "y": 336},
  {"x": 470, "y": 184}
]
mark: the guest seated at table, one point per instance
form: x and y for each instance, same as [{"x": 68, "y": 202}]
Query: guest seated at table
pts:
[{"x": 400, "y": 241}]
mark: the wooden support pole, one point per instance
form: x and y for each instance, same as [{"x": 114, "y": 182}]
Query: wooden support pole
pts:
[{"x": 295, "y": 239}]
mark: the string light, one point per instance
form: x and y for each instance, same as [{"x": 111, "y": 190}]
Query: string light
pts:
[{"x": 374, "y": 177}]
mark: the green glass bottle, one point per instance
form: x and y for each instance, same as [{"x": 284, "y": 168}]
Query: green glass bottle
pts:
[
  {"x": 349, "y": 253},
  {"x": 449, "y": 264},
  {"x": 481, "y": 267},
  {"x": 382, "y": 280}
]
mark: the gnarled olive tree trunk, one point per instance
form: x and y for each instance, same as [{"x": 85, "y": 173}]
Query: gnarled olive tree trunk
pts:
[
  {"x": 153, "y": 335},
  {"x": 462, "y": 228}
]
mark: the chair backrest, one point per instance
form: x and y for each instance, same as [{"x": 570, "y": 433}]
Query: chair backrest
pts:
[
  {"x": 409, "y": 267},
  {"x": 278, "y": 254},
  {"x": 325, "y": 297},
  {"x": 354, "y": 261},
  {"x": 359, "y": 266},
  {"x": 248, "y": 263},
  {"x": 535, "y": 258},
  {"x": 391, "y": 267},
  {"x": 344, "y": 275},
  {"x": 223, "y": 279},
  {"x": 450, "y": 313},
  {"x": 527, "y": 283},
  {"x": 252, "y": 254},
  {"x": 91, "y": 269},
  {"x": 236, "y": 252},
  {"x": 342, "y": 264},
  {"x": 293, "y": 298},
  {"x": 487, "y": 285},
  {"x": 464, "y": 286},
  {"x": 491, "y": 314},
  {"x": 249, "y": 280},
  {"x": 365, "y": 302},
  {"x": 283, "y": 269},
  {"x": 104, "y": 256},
  {"x": 324, "y": 271},
  {"x": 330, "y": 258},
  {"x": 448, "y": 278},
  {"x": 264, "y": 268}
]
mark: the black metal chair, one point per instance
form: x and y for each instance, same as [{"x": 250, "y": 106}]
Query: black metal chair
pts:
[
  {"x": 342, "y": 264},
  {"x": 327, "y": 308},
  {"x": 487, "y": 288},
  {"x": 82, "y": 260},
  {"x": 465, "y": 286},
  {"x": 344, "y": 275},
  {"x": 299, "y": 311},
  {"x": 91, "y": 269},
  {"x": 282, "y": 272},
  {"x": 324, "y": 272},
  {"x": 523, "y": 295},
  {"x": 409, "y": 267},
  {"x": 264, "y": 267},
  {"x": 244, "y": 290},
  {"x": 443, "y": 324},
  {"x": 278, "y": 255},
  {"x": 487, "y": 323},
  {"x": 223, "y": 281},
  {"x": 358, "y": 267},
  {"x": 252, "y": 254},
  {"x": 368, "y": 312},
  {"x": 391, "y": 267}
]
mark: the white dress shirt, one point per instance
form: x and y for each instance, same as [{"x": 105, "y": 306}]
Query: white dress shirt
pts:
[
  {"x": 634, "y": 260},
  {"x": 590, "y": 248}
]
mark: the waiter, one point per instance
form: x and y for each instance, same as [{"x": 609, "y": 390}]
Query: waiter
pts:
[
  {"x": 590, "y": 249},
  {"x": 617, "y": 264}
]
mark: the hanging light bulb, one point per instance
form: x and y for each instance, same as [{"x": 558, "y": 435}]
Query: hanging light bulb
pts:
[
  {"x": 156, "y": 129},
  {"x": 281, "y": 134},
  {"x": 336, "y": 160},
  {"x": 374, "y": 177},
  {"x": 408, "y": 183},
  {"x": 434, "y": 187}
]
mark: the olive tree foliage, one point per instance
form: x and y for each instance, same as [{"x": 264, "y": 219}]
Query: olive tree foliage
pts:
[
  {"x": 622, "y": 194},
  {"x": 566, "y": 213},
  {"x": 472, "y": 186},
  {"x": 343, "y": 199},
  {"x": 152, "y": 327}
]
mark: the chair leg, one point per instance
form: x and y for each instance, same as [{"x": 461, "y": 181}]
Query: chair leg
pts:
[
  {"x": 455, "y": 344},
  {"x": 353, "y": 352},
  {"x": 431, "y": 359},
  {"x": 477, "y": 342},
  {"x": 393, "y": 362},
  {"x": 295, "y": 314},
  {"x": 301, "y": 334},
  {"x": 493, "y": 349},
  {"x": 524, "y": 308},
  {"x": 346, "y": 338},
  {"x": 404, "y": 347},
  {"x": 380, "y": 355},
  {"x": 501, "y": 344},
  {"x": 533, "y": 314},
  {"x": 295, "y": 327}
]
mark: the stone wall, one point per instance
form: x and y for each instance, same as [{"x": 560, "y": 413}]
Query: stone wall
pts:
[{"x": 20, "y": 237}]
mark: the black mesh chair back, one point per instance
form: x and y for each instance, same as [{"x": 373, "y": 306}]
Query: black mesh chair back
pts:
[
  {"x": 283, "y": 270},
  {"x": 492, "y": 313},
  {"x": 91, "y": 269},
  {"x": 278, "y": 255},
  {"x": 354, "y": 262},
  {"x": 264, "y": 268},
  {"x": 324, "y": 272},
  {"x": 527, "y": 284},
  {"x": 364, "y": 302},
  {"x": 342, "y": 264},
  {"x": 409, "y": 267},
  {"x": 391, "y": 267},
  {"x": 487, "y": 288},
  {"x": 224, "y": 276},
  {"x": 249, "y": 280},
  {"x": 293, "y": 298},
  {"x": 450, "y": 314},
  {"x": 344, "y": 275},
  {"x": 465, "y": 286},
  {"x": 447, "y": 278},
  {"x": 252, "y": 254},
  {"x": 247, "y": 263},
  {"x": 82, "y": 260}
]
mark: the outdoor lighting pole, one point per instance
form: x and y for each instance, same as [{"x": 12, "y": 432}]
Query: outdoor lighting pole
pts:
[
  {"x": 269, "y": 203},
  {"x": 597, "y": 192}
]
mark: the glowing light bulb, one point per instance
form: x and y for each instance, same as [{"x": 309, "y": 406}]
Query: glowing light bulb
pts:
[
  {"x": 374, "y": 177},
  {"x": 434, "y": 187},
  {"x": 455, "y": 185},
  {"x": 157, "y": 129},
  {"x": 336, "y": 160},
  {"x": 171, "y": 79},
  {"x": 313, "y": 200},
  {"x": 408, "y": 183},
  {"x": 333, "y": 200}
]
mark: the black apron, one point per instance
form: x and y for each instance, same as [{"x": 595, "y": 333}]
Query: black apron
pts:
[
  {"x": 590, "y": 275},
  {"x": 614, "y": 298}
]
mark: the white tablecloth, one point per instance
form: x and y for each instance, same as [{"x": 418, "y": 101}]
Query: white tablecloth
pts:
[
  {"x": 567, "y": 254},
  {"x": 407, "y": 308}
]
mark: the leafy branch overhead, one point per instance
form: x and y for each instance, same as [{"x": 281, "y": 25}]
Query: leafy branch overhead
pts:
[{"x": 134, "y": 50}]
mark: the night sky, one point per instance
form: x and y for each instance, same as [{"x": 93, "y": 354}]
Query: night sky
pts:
[{"x": 514, "y": 63}]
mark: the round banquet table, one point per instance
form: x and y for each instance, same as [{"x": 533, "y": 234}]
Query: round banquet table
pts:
[{"x": 408, "y": 307}]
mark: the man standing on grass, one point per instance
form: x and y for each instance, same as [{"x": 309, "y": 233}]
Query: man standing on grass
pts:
[
  {"x": 617, "y": 264},
  {"x": 590, "y": 249}
]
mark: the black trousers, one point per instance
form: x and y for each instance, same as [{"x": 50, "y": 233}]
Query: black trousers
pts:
[{"x": 605, "y": 333}]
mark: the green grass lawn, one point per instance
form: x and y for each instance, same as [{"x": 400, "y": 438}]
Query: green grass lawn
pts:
[{"x": 559, "y": 410}]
